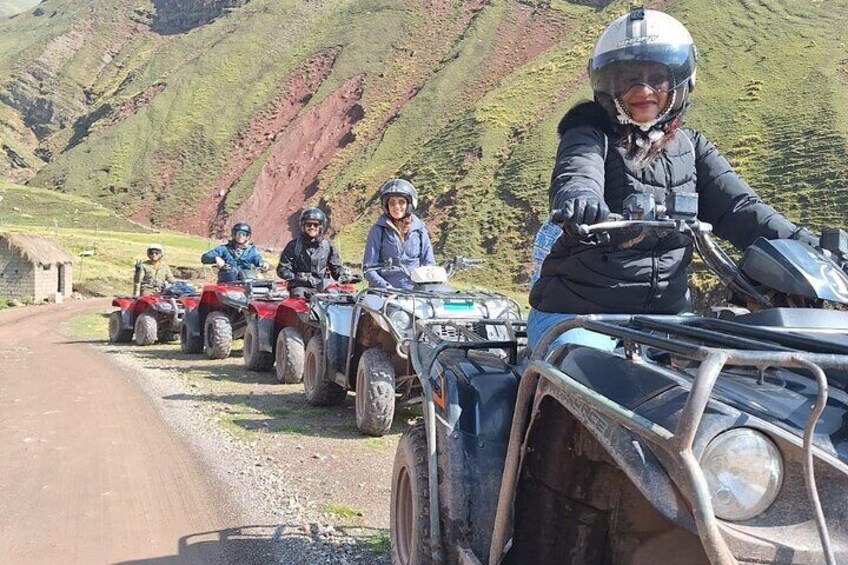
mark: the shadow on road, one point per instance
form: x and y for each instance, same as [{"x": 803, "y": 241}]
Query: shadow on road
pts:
[
  {"x": 287, "y": 412},
  {"x": 258, "y": 545}
]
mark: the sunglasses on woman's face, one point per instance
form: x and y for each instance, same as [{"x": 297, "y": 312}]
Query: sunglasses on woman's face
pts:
[
  {"x": 241, "y": 233},
  {"x": 154, "y": 253},
  {"x": 312, "y": 224},
  {"x": 655, "y": 77}
]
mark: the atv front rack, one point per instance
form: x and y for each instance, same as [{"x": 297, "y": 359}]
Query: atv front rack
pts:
[
  {"x": 390, "y": 295},
  {"x": 711, "y": 343}
]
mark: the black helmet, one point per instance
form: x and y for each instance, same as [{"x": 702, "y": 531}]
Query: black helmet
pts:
[
  {"x": 399, "y": 187},
  {"x": 315, "y": 215},
  {"x": 659, "y": 44},
  {"x": 241, "y": 226}
]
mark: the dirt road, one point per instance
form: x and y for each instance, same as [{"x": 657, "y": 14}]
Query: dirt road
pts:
[{"x": 89, "y": 473}]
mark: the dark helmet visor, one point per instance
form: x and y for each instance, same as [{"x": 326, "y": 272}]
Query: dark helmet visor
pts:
[{"x": 662, "y": 67}]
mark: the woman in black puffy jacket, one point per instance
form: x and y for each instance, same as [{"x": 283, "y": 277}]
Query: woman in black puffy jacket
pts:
[{"x": 630, "y": 140}]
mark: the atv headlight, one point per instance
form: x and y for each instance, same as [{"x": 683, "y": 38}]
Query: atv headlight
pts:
[
  {"x": 401, "y": 320},
  {"x": 744, "y": 471}
]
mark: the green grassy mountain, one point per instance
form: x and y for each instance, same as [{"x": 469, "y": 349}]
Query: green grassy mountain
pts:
[{"x": 189, "y": 114}]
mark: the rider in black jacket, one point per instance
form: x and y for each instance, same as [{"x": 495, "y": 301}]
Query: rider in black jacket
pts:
[
  {"x": 306, "y": 260},
  {"x": 630, "y": 140}
]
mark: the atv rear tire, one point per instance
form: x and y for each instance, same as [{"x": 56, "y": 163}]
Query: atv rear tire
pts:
[
  {"x": 218, "y": 338},
  {"x": 254, "y": 358},
  {"x": 146, "y": 329},
  {"x": 116, "y": 333},
  {"x": 190, "y": 343},
  {"x": 409, "y": 512},
  {"x": 290, "y": 356},
  {"x": 319, "y": 388},
  {"x": 375, "y": 393}
]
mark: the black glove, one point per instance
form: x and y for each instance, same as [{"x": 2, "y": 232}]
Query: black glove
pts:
[{"x": 581, "y": 208}]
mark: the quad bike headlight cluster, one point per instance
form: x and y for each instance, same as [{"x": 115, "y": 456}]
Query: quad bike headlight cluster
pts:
[
  {"x": 401, "y": 320},
  {"x": 744, "y": 472}
]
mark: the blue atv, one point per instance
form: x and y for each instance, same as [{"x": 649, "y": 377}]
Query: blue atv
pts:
[{"x": 697, "y": 440}]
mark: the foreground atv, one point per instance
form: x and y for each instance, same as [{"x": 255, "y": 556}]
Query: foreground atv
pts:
[
  {"x": 278, "y": 328},
  {"x": 152, "y": 317},
  {"x": 221, "y": 315},
  {"x": 375, "y": 363},
  {"x": 697, "y": 440}
]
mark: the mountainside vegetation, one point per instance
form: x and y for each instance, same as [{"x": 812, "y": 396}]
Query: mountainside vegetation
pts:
[{"x": 190, "y": 114}]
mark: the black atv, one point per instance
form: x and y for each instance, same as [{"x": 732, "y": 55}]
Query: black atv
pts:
[{"x": 697, "y": 440}]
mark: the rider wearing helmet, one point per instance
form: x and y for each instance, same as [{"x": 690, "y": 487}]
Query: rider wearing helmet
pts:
[
  {"x": 235, "y": 258},
  {"x": 398, "y": 238},
  {"x": 152, "y": 275},
  {"x": 630, "y": 140},
  {"x": 306, "y": 260}
]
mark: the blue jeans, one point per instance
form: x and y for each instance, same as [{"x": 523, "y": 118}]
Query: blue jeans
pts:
[{"x": 539, "y": 322}]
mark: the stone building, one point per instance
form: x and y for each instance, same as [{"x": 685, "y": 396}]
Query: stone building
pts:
[{"x": 33, "y": 268}]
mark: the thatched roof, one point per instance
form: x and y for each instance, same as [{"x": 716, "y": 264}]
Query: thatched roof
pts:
[{"x": 36, "y": 249}]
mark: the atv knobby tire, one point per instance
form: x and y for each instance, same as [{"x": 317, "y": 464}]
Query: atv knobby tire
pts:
[
  {"x": 116, "y": 333},
  {"x": 254, "y": 358},
  {"x": 319, "y": 388},
  {"x": 375, "y": 392},
  {"x": 409, "y": 512},
  {"x": 146, "y": 329},
  {"x": 290, "y": 355},
  {"x": 190, "y": 343},
  {"x": 218, "y": 336}
]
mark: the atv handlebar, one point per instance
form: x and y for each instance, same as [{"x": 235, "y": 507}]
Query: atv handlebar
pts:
[{"x": 643, "y": 217}]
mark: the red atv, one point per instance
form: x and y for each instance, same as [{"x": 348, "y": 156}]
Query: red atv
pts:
[
  {"x": 277, "y": 329},
  {"x": 151, "y": 317},
  {"x": 220, "y": 316}
]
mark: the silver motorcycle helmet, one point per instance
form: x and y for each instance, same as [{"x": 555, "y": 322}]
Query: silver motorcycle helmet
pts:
[{"x": 645, "y": 47}]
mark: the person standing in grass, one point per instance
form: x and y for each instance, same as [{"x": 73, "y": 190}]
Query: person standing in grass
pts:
[
  {"x": 152, "y": 275},
  {"x": 398, "y": 237},
  {"x": 630, "y": 140}
]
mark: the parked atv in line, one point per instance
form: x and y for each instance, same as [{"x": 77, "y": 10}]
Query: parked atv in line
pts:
[
  {"x": 278, "y": 327},
  {"x": 221, "y": 314},
  {"x": 151, "y": 317},
  {"x": 697, "y": 440},
  {"x": 375, "y": 363}
]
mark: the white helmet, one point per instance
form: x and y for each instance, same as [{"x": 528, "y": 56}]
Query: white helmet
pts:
[
  {"x": 663, "y": 49},
  {"x": 156, "y": 247}
]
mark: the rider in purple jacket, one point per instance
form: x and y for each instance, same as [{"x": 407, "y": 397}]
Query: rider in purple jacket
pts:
[{"x": 398, "y": 238}]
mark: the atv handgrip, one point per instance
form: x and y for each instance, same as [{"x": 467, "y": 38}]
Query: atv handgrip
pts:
[{"x": 618, "y": 223}]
